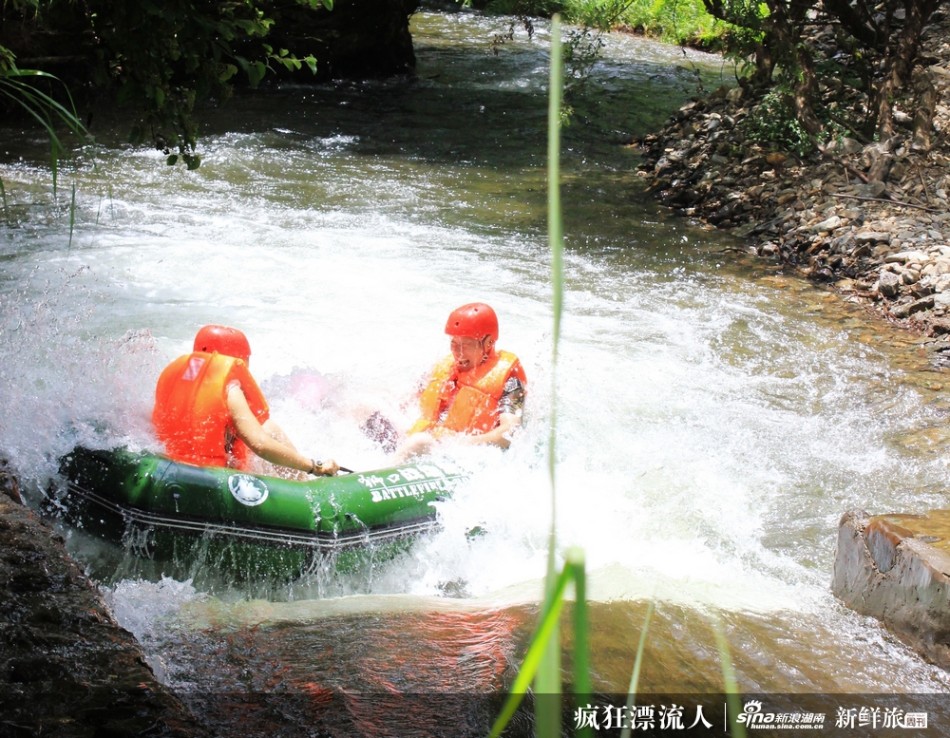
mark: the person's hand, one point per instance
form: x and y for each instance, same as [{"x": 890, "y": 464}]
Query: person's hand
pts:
[
  {"x": 415, "y": 445},
  {"x": 327, "y": 468}
]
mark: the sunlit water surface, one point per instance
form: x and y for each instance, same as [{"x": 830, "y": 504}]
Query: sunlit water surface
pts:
[{"x": 713, "y": 420}]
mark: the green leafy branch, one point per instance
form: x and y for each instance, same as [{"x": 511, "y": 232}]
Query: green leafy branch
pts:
[{"x": 18, "y": 86}]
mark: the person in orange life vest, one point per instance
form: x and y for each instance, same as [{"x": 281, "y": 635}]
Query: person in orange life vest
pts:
[
  {"x": 209, "y": 410},
  {"x": 476, "y": 393}
]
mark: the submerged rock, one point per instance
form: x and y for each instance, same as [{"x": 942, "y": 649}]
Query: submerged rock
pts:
[{"x": 896, "y": 568}]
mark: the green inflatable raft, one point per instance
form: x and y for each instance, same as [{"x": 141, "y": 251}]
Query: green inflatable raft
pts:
[{"x": 166, "y": 510}]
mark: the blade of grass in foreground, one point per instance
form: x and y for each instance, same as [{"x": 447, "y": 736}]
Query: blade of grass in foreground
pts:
[
  {"x": 542, "y": 663},
  {"x": 41, "y": 107},
  {"x": 544, "y": 635},
  {"x": 72, "y": 216},
  {"x": 549, "y": 678},
  {"x": 731, "y": 686},
  {"x": 556, "y": 243},
  {"x": 637, "y": 662}
]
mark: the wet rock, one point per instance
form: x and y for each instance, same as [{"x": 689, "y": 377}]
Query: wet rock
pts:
[
  {"x": 911, "y": 308},
  {"x": 889, "y": 284},
  {"x": 903, "y": 257},
  {"x": 66, "y": 668},
  {"x": 9, "y": 485},
  {"x": 895, "y": 568}
]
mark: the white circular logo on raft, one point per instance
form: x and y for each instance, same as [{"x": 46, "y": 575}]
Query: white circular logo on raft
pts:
[{"x": 247, "y": 490}]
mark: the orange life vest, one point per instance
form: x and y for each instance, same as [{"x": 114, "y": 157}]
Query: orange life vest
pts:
[
  {"x": 466, "y": 402},
  {"x": 191, "y": 415}
]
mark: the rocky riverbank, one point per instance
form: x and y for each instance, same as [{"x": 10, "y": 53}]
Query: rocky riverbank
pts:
[{"x": 885, "y": 243}]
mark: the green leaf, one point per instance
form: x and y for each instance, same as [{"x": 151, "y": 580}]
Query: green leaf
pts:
[
  {"x": 291, "y": 64},
  {"x": 637, "y": 663},
  {"x": 227, "y": 72},
  {"x": 255, "y": 73}
]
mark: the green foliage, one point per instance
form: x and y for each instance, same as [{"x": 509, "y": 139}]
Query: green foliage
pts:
[
  {"x": 742, "y": 15},
  {"x": 21, "y": 87},
  {"x": 674, "y": 21},
  {"x": 159, "y": 58},
  {"x": 772, "y": 124},
  {"x": 164, "y": 56},
  {"x": 602, "y": 15},
  {"x": 736, "y": 42}
]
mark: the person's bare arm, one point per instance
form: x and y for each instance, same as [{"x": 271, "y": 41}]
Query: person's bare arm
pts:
[
  {"x": 500, "y": 435},
  {"x": 249, "y": 430}
]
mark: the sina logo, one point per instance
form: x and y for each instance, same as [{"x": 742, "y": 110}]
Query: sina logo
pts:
[
  {"x": 247, "y": 490},
  {"x": 753, "y": 716}
]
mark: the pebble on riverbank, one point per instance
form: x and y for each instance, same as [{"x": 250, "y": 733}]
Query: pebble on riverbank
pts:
[{"x": 884, "y": 244}]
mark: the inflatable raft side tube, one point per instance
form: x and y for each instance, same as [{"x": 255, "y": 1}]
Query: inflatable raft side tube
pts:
[{"x": 327, "y": 512}]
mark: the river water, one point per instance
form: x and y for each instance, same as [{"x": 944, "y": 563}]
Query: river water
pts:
[{"x": 714, "y": 418}]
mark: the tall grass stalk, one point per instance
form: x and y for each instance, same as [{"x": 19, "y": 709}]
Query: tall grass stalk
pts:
[
  {"x": 730, "y": 684},
  {"x": 542, "y": 663},
  {"x": 72, "y": 216},
  {"x": 637, "y": 662},
  {"x": 549, "y": 678},
  {"x": 535, "y": 661}
]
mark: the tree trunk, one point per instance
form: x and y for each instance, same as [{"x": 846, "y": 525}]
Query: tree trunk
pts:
[
  {"x": 806, "y": 93},
  {"x": 924, "y": 115},
  {"x": 900, "y": 60}
]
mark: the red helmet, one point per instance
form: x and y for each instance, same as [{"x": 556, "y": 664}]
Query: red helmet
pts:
[
  {"x": 475, "y": 320},
  {"x": 223, "y": 340}
]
